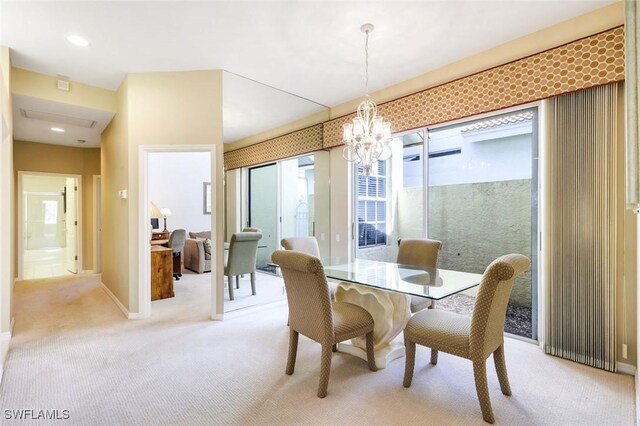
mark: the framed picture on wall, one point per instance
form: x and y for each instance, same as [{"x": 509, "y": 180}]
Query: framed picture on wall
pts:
[{"x": 206, "y": 197}]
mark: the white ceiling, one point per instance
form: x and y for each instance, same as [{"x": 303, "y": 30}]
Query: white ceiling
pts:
[
  {"x": 311, "y": 49},
  {"x": 36, "y": 130}
]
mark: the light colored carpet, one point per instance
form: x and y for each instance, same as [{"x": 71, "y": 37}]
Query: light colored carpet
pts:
[
  {"x": 74, "y": 350},
  {"x": 193, "y": 291}
]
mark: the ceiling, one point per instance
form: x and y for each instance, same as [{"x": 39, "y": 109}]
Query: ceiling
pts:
[
  {"x": 33, "y": 119},
  {"x": 310, "y": 50}
]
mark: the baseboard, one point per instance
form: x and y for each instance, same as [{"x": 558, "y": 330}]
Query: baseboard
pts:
[
  {"x": 217, "y": 317},
  {"x": 134, "y": 315},
  {"x": 623, "y": 368},
  {"x": 115, "y": 300},
  {"x": 5, "y": 340}
]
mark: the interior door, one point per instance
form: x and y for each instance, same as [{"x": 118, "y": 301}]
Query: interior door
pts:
[{"x": 71, "y": 224}]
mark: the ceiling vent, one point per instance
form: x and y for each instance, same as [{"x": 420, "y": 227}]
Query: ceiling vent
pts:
[{"x": 57, "y": 118}]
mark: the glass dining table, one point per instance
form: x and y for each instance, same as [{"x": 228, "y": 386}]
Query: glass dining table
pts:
[{"x": 384, "y": 289}]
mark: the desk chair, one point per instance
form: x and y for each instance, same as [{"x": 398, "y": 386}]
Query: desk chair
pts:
[{"x": 176, "y": 243}]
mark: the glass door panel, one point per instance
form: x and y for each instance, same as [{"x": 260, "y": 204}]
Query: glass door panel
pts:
[
  {"x": 481, "y": 201},
  {"x": 298, "y": 189},
  {"x": 263, "y": 211}
]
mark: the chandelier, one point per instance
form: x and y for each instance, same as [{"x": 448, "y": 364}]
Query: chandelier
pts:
[{"x": 367, "y": 137}]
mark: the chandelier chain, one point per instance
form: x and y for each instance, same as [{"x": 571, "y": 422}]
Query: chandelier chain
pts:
[{"x": 366, "y": 65}]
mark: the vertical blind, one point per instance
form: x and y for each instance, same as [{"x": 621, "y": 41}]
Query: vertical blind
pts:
[{"x": 581, "y": 219}]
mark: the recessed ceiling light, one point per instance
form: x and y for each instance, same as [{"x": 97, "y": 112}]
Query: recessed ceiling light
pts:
[
  {"x": 77, "y": 40},
  {"x": 57, "y": 129}
]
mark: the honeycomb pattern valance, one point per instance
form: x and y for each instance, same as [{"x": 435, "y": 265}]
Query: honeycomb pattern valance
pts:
[
  {"x": 589, "y": 62},
  {"x": 295, "y": 143}
]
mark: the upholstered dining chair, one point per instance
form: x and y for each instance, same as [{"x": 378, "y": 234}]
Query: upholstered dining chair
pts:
[
  {"x": 251, "y": 230},
  {"x": 176, "y": 243},
  {"x": 307, "y": 245},
  {"x": 312, "y": 314},
  {"x": 243, "y": 249},
  {"x": 421, "y": 253},
  {"x": 474, "y": 338}
]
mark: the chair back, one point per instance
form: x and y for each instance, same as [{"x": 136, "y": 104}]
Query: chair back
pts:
[
  {"x": 418, "y": 252},
  {"x": 490, "y": 309},
  {"x": 176, "y": 240},
  {"x": 310, "y": 311},
  {"x": 307, "y": 245},
  {"x": 251, "y": 230},
  {"x": 243, "y": 249}
]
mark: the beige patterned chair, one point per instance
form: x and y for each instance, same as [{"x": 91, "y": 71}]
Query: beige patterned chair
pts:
[
  {"x": 243, "y": 249},
  {"x": 422, "y": 253},
  {"x": 312, "y": 314},
  {"x": 474, "y": 338},
  {"x": 251, "y": 230},
  {"x": 307, "y": 245}
]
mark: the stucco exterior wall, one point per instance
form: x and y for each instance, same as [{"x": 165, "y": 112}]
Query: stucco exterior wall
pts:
[{"x": 480, "y": 222}]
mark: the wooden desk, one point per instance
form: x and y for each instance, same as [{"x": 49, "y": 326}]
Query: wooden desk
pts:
[
  {"x": 161, "y": 272},
  {"x": 159, "y": 242}
]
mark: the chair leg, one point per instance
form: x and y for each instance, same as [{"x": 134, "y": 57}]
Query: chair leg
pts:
[
  {"x": 325, "y": 370},
  {"x": 237, "y": 281},
  {"x": 230, "y": 287},
  {"x": 434, "y": 356},
  {"x": 293, "y": 351},
  {"x": 253, "y": 283},
  {"x": 482, "y": 389},
  {"x": 501, "y": 370},
  {"x": 409, "y": 362},
  {"x": 371, "y": 356}
]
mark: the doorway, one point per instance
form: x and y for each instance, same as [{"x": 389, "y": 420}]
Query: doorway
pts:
[
  {"x": 48, "y": 225},
  {"x": 177, "y": 187}
]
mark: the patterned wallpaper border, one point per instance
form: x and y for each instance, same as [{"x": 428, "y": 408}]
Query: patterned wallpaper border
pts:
[
  {"x": 584, "y": 63},
  {"x": 295, "y": 143},
  {"x": 588, "y": 62}
]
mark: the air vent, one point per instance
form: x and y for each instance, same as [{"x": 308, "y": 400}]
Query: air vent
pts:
[{"x": 57, "y": 118}]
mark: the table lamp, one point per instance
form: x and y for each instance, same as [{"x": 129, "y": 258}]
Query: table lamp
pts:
[{"x": 165, "y": 212}]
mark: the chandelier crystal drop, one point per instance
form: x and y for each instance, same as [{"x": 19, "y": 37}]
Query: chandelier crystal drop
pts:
[{"x": 367, "y": 137}]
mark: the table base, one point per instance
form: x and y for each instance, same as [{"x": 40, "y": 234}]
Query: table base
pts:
[{"x": 383, "y": 356}]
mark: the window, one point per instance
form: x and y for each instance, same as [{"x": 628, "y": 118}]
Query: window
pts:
[
  {"x": 50, "y": 212},
  {"x": 372, "y": 206}
]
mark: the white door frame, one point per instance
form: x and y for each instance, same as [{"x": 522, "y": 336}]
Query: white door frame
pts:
[
  {"x": 97, "y": 218},
  {"x": 144, "y": 232},
  {"x": 20, "y": 202}
]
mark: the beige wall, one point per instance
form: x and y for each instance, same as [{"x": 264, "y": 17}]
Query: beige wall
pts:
[
  {"x": 114, "y": 157},
  {"x": 29, "y": 83},
  {"x": 46, "y": 158},
  {"x": 180, "y": 108},
  {"x": 7, "y": 233}
]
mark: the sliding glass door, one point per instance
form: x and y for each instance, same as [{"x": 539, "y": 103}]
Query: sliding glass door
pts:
[
  {"x": 281, "y": 203},
  {"x": 482, "y": 201}
]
